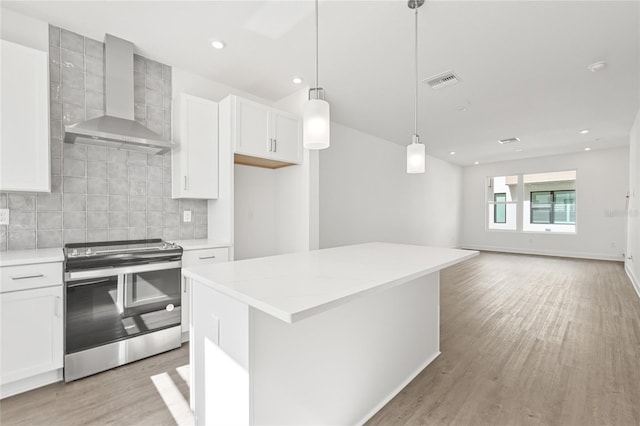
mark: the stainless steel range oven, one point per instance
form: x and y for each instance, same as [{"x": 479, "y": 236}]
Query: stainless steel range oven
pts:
[{"x": 123, "y": 303}]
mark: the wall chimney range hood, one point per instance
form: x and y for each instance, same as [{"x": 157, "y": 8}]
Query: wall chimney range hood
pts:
[{"x": 117, "y": 128}]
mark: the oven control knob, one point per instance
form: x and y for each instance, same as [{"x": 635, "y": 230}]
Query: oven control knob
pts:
[
  {"x": 170, "y": 307},
  {"x": 88, "y": 252},
  {"x": 74, "y": 252}
]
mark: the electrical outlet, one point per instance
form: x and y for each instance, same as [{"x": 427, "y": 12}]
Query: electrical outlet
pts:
[
  {"x": 4, "y": 216},
  {"x": 186, "y": 216}
]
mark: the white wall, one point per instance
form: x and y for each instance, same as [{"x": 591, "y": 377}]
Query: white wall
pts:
[
  {"x": 436, "y": 204},
  {"x": 602, "y": 180},
  {"x": 24, "y": 30},
  {"x": 632, "y": 266},
  {"x": 366, "y": 194},
  {"x": 255, "y": 233}
]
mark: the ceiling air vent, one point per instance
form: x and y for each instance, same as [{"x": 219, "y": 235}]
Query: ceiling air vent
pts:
[
  {"x": 442, "y": 80},
  {"x": 508, "y": 140}
]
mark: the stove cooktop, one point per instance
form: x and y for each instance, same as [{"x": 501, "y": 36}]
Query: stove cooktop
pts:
[
  {"x": 116, "y": 253},
  {"x": 117, "y": 247}
]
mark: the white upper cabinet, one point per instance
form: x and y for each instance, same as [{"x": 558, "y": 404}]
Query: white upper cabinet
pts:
[
  {"x": 287, "y": 137},
  {"x": 24, "y": 140},
  {"x": 267, "y": 133},
  {"x": 252, "y": 120},
  {"x": 194, "y": 161}
]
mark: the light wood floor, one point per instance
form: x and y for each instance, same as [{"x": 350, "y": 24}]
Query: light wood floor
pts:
[
  {"x": 529, "y": 340},
  {"x": 524, "y": 340},
  {"x": 127, "y": 395}
]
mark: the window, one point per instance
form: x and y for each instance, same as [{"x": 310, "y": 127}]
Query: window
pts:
[
  {"x": 553, "y": 207},
  {"x": 499, "y": 208},
  {"x": 534, "y": 202},
  {"x": 502, "y": 202},
  {"x": 549, "y": 202}
]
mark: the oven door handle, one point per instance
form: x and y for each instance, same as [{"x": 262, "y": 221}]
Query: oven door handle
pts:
[
  {"x": 110, "y": 272},
  {"x": 88, "y": 282}
]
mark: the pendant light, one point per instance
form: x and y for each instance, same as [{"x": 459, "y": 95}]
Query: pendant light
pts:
[
  {"x": 415, "y": 150},
  {"x": 315, "y": 115}
]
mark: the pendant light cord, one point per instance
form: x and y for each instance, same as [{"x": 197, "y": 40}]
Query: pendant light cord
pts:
[
  {"x": 415, "y": 99},
  {"x": 317, "y": 94}
]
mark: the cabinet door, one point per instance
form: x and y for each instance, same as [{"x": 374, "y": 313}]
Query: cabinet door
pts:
[
  {"x": 194, "y": 161},
  {"x": 24, "y": 140},
  {"x": 287, "y": 135},
  {"x": 196, "y": 258},
  {"x": 201, "y": 150},
  {"x": 252, "y": 131},
  {"x": 31, "y": 332}
]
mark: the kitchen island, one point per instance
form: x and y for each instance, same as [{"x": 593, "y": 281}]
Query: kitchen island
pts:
[{"x": 319, "y": 337}]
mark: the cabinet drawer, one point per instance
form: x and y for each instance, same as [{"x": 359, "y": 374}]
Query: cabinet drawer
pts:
[
  {"x": 204, "y": 256},
  {"x": 24, "y": 277}
]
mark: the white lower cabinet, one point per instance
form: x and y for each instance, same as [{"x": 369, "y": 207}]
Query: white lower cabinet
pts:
[
  {"x": 32, "y": 338},
  {"x": 195, "y": 258}
]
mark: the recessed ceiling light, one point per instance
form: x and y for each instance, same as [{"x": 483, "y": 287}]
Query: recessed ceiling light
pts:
[
  {"x": 597, "y": 66},
  {"x": 518, "y": 150},
  {"x": 218, "y": 44},
  {"x": 584, "y": 131},
  {"x": 452, "y": 153},
  {"x": 296, "y": 80},
  {"x": 476, "y": 163},
  {"x": 587, "y": 149},
  {"x": 462, "y": 109},
  {"x": 508, "y": 140}
]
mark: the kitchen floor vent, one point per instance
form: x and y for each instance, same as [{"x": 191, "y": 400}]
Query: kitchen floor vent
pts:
[
  {"x": 508, "y": 140},
  {"x": 442, "y": 80}
]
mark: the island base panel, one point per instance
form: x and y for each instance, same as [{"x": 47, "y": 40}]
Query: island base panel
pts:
[{"x": 337, "y": 367}]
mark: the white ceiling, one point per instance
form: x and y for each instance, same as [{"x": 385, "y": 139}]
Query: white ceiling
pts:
[{"x": 523, "y": 64}]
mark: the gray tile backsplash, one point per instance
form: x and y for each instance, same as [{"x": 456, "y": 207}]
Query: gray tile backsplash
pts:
[{"x": 97, "y": 193}]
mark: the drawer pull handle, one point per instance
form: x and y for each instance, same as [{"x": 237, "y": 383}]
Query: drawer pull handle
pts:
[
  {"x": 207, "y": 257},
  {"x": 25, "y": 277}
]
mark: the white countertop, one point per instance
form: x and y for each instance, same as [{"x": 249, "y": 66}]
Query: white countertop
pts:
[
  {"x": 295, "y": 286},
  {"x": 202, "y": 243},
  {"x": 27, "y": 257}
]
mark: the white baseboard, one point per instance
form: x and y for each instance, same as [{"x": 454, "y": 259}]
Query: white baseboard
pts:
[
  {"x": 634, "y": 280},
  {"x": 578, "y": 255},
  {"x": 397, "y": 390},
  {"x": 24, "y": 385}
]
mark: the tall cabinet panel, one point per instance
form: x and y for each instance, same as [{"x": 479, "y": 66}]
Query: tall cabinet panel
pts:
[
  {"x": 24, "y": 141},
  {"x": 195, "y": 159}
]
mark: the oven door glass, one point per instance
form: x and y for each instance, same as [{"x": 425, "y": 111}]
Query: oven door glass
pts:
[{"x": 109, "y": 309}]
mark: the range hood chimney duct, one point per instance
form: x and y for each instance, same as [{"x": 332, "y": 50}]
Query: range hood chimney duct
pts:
[{"x": 117, "y": 128}]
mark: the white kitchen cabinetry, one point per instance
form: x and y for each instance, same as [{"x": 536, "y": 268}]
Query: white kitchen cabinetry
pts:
[
  {"x": 31, "y": 302},
  {"x": 194, "y": 161},
  {"x": 264, "y": 136},
  {"x": 24, "y": 144},
  {"x": 196, "y": 258}
]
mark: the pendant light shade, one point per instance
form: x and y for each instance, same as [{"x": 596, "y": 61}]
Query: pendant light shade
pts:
[
  {"x": 316, "y": 120},
  {"x": 415, "y": 151},
  {"x": 316, "y": 124},
  {"x": 415, "y": 158}
]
